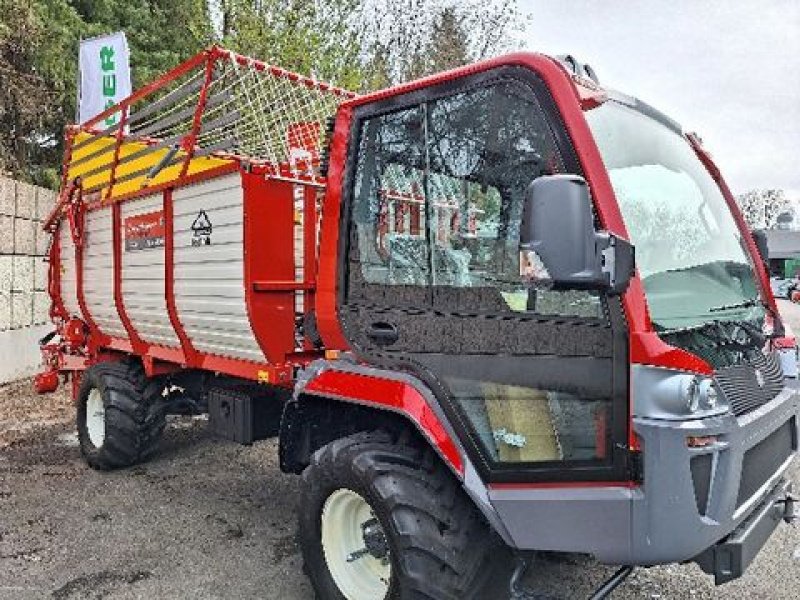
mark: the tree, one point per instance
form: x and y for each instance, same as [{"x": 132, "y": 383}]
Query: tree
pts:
[
  {"x": 39, "y": 42},
  {"x": 312, "y": 37},
  {"x": 26, "y": 94},
  {"x": 405, "y": 40},
  {"x": 761, "y": 208},
  {"x": 360, "y": 45}
]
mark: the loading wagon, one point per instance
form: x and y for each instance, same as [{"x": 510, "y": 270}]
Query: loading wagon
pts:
[{"x": 429, "y": 294}]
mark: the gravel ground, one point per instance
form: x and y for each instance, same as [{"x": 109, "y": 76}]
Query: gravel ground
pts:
[{"x": 209, "y": 519}]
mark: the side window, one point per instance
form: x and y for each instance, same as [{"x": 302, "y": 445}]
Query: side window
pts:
[
  {"x": 524, "y": 424},
  {"x": 388, "y": 235},
  {"x": 438, "y": 197}
]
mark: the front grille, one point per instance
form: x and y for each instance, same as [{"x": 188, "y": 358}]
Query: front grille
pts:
[
  {"x": 763, "y": 460},
  {"x": 740, "y": 383}
]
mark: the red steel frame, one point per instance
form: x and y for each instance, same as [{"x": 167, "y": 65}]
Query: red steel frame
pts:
[
  {"x": 190, "y": 355},
  {"x": 269, "y": 283}
]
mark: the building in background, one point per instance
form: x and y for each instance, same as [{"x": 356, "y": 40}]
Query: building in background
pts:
[
  {"x": 783, "y": 243},
  {"x": 24, "y": 303}
]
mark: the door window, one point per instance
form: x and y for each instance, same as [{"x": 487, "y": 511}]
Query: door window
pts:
[{"x": 438, "y": 196}]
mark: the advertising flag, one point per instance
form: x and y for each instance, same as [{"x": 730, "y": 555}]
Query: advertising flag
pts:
[{"x": 105, "y": 76}]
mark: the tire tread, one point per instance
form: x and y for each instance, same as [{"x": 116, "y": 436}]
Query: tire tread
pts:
[
  {"x": 445, "y": 545},
  {"x": 134, "y": 419}
]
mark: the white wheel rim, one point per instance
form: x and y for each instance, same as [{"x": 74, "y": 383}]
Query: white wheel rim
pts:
[
  {"x": 357, "y": 573},
  {"x": 96, "y": 418}
]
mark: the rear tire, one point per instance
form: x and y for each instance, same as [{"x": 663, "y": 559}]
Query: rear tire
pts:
[
  {"x": 439, "y": 546},
  {"x": 120, "y": 418}
]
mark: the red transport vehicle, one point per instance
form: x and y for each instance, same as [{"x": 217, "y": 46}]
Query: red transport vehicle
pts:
[{"x": 429, "y": 294}]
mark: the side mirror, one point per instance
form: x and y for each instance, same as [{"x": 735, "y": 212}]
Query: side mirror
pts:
[
  {"x": 760, "y": 238},
  {"x": 559, "y": 245}
]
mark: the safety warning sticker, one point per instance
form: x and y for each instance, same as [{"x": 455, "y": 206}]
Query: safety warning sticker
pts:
[
  {"x": 201, "y": 230},
  {"x": 144, "y": 231}
]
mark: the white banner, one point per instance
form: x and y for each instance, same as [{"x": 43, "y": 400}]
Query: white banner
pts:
[{"x": 105, "y": 76}]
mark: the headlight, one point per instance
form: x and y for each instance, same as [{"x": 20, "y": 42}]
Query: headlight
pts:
[
  {"x": 711, "y": 396},
  {"x": 692, "y": 395},
  {"x": 668, "y": 394},
  {"x": 700, "y": 393}
]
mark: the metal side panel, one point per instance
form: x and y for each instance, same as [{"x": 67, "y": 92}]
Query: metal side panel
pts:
[
  {"x": 209, "y": 268},
  {"x": 69, "y": 282},
  {"x": 98, "y": 273},
  {"x": 144, "y": 268}
]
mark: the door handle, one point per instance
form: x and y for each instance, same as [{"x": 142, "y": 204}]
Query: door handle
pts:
[{"x": 383, "y": 333}]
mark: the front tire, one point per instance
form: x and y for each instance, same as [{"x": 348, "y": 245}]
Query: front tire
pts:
[
  {"x": 119, "y": 420},
  {"x": 421, "y": 537}
]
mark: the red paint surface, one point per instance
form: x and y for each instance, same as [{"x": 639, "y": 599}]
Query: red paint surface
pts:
[
  {"x": 269, "y": 257},
  {"x": 392, "y": 394},
  {"x": 45, "y": 383},
  {"x": 57, "y": 310},
  {"x": 189, "y": 141},
  {"x": 327, "y": 318}
]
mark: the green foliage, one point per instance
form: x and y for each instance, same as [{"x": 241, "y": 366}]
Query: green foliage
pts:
[
  {"x": 39, "y": 42},
  {"x": 24, "y": 88},
  {"x": 406, "y": 40},
  {"x": 307, "y": 36},
  {"x": 356, "y": 44}
]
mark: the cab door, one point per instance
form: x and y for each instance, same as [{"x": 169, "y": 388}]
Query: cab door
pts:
[{"x": 534, "y": 381}]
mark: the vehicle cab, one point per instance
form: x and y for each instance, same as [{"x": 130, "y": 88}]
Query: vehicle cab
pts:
[{"x": 484, "y": 224}]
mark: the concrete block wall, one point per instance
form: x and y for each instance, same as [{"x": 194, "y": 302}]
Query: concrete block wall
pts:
[
  {"x": 23, "y": 244},
  {"x": 24, "y": 303}
]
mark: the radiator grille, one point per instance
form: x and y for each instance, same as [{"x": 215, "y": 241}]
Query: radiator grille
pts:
[
  {"x": 740, "y": 383},
  {"x": 763, "y": 460}
]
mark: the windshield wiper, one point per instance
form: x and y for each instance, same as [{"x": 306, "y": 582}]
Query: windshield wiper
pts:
[
  {"x": 744, "y": 304},
  {"x": 718, "y": 332}
]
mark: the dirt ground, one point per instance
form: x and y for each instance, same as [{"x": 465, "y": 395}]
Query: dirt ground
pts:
[{"x": 209, "y": 519}]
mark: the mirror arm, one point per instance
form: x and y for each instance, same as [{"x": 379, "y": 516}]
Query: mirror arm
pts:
[{"x": 617, "y": 261}]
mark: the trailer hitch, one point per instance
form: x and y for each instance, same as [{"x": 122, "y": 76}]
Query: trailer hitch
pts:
[
  {"x": 520, "y": 592},
  {"x": 612, "y": 583}
]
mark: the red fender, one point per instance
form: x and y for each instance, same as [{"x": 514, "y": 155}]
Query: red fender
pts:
[{"x": 393, "y": 395}]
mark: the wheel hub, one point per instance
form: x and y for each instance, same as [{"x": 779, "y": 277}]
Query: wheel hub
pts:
[
  {"x": 96, "y": 418},
  {"x": 375, "y": 541},
  {"x": 355, "y": 546}
]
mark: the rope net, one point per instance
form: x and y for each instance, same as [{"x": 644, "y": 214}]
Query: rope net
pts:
[{"x": 217, "y": 108}]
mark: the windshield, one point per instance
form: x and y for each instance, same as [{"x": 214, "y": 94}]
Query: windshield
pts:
[{"x": 689, "y": 251}]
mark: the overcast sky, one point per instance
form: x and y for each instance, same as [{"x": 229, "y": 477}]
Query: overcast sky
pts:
[{"x": 729, "y": 70}]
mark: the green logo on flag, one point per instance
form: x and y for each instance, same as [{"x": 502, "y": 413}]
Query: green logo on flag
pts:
[{"x": 109, "y": 80}]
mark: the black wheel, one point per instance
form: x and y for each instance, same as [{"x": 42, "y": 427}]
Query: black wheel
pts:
[
  {"x": 382, "y": 518},
  {"x": 120, "y": 419}
]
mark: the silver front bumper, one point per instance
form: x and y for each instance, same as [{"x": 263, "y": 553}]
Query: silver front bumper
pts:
[{"x": 662, "y": 521}]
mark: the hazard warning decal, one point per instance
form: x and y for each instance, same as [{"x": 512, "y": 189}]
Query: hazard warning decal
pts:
[
  {"x": 145, "y": 231},
  {"x": 201, "y": 230}
]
